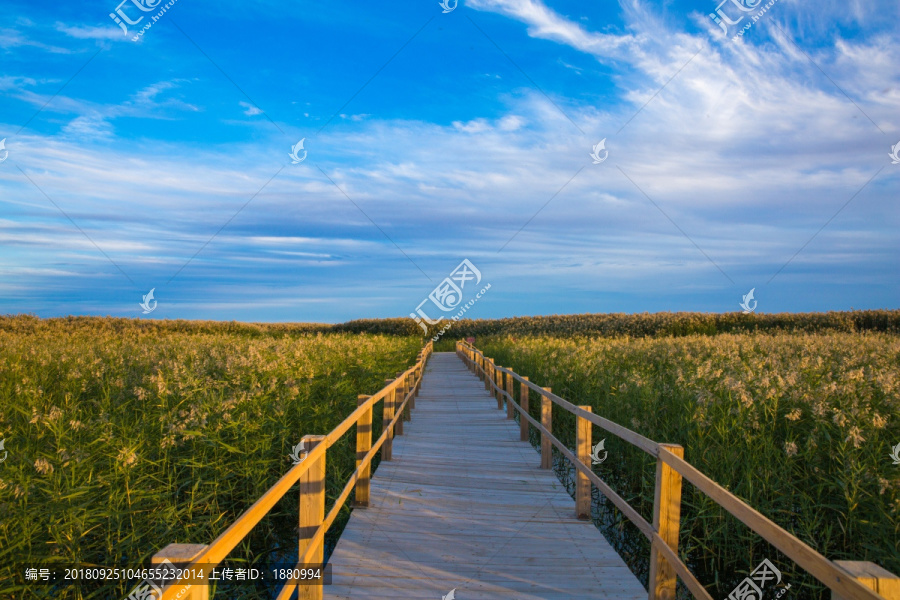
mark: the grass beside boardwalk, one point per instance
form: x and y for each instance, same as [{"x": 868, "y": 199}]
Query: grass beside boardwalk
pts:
[
  {"x": 124, "y": 436},
  {"x": 799, "y": 425}
]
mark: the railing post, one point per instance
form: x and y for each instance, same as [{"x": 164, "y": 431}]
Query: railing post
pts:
[
  {"x": 312, "y": 513},
  {"x": 666, "y": 518},
  {"x": 413, "y": 387},
  {"x": 407, "y": 391},
  {"x": 180, "y": 555},
  {"x": 523, "y": 402},
  {"x": 488, "y": 373},
  {"x": 398, "y": 401},
  {"x": 363, "y": 445},
  {"x": 498, "y": 386},
  {"x": 386, "y": 417},
  {"x": 583, "y": 451},
  {"x": 492, "y": 369},
  {"x": 420, "y": 372},
  {"x": 878, "y": 579},
  {"x": 547, "y": 422},
  {"x": 510, "y": 413}
]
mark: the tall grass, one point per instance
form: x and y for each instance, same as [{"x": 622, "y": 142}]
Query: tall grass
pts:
[
  {"x": 798, "y": 425},
  {"x": 643, "y": 324},
  {"x": 124, "y": 437}
]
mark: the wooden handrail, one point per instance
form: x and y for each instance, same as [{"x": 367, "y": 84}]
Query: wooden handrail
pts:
[
  {"x": 633, "y": 438},
  {"x": 215, "y": 553},
  {"x": 665, "y": 559}
]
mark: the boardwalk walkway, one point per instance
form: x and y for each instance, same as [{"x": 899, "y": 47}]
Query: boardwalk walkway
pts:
[{"x": 464, "y": 504}]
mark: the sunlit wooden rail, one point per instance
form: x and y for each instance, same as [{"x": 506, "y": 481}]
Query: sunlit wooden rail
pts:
[{"x": 856, "y": 580}]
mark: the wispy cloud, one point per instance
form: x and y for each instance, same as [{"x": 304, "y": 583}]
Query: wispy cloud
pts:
[
  {"x": 250, "y": 110},
  {"x": 546, "y": 24},
  {"x": 12, "y": 38},
  {"x": 87, "y": 32}
]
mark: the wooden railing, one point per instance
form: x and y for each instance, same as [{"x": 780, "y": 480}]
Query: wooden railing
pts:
[
  {"x": 399, "y": 398},
  {"x": 848, "y": 580}
]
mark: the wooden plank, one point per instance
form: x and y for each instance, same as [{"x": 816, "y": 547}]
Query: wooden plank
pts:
[
  {"x": 880, "y": 580},
  {"x": 666, "y": 521},
  {"x": 398, "y": 400},
  {"x": 181, "y": 555},
  {"x": 524, "y": 392},
  {"x": 509, "y": 396},
  {"x": 363, "y": 445},
  {"x": 387, "y": 415},
  {"x": 547, "y": 424},
  {"x": 583, "y": 451},
  {"x": 312, "y": 513}
]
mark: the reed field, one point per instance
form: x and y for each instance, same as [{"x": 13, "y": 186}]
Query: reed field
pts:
[
  {"x": 124, "y": 436},
  {"x": 799, "y": 425}
]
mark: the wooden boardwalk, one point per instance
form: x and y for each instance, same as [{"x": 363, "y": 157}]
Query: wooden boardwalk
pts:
[{"x": 464, "y": 504}]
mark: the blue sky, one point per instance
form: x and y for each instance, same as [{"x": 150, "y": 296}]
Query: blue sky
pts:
[{"x": 435, "y": 137}]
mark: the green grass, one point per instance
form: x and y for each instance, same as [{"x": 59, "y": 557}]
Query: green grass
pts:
[
  {"x": 799, "y": 425},
  {"x": 124, "y": 437}
]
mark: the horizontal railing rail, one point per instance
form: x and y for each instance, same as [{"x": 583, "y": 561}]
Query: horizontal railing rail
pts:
[
  {"x": 399, "y": 398},
  {"x": 847, "y": 580}
]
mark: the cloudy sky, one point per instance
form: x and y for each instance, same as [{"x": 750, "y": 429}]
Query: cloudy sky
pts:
[{"x": 727, "y": 163}]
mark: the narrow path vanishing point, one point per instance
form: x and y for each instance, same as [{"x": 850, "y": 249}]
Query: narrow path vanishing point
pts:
[{"x": 464, "y": 504}]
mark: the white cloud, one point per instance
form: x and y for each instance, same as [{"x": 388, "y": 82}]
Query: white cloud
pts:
[
  {"x": 546, "y": 24},
  {"x": 511, "y": 123},
  {"x": 11, "y": 38},
  {"x": 250, "y": 110},
  {"x": 89, "y": 126},
  {"x": 11, "y": 82},
  {"x": 85, "y": 32}
]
